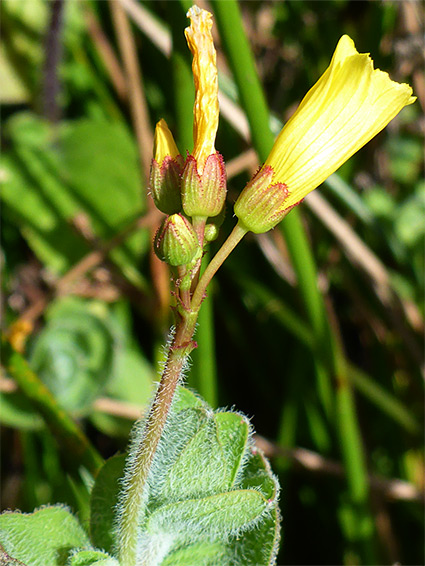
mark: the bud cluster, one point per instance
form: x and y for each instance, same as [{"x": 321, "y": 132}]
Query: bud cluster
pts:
[{"x": 182, "y": 191}]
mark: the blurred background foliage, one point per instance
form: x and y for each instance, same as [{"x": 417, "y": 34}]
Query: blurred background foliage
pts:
[{"x": 315, "y": 329}]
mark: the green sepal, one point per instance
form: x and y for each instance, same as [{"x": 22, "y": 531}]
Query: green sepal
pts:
[
  {"x": 176, "y": 241},
  {"x": 204, "y": 194},
  {"x": 261, "y": 205},
  {"x": 164, "y": 184}
]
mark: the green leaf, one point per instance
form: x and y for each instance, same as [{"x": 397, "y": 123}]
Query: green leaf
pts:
[
  {"x": 92, "y": 558},
  {"x": 101, "y": 164},
  {"x": 209, "y": 462},
  {"x": 216, "y": 515},
  {"x": 200, "y": 468},
  {"x": 37, "y": 198},
  {"x": 6, "y": 560},
  {"x": 257, "y": 475},
  {"x": 43, "y": 538},
  {"x": 233, "y": 434},
  {"x": 187, "y": 399},
  {"x": 104, "y": 497},
  {"x": 211, "y": 497},
  {"x": 205, "y": 553}
]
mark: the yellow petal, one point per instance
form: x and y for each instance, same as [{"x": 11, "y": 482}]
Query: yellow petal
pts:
[
  {"x": 163, "y": 143},
  {"x": 205, "y": 111},
  {"x": 346, "y": 108}
]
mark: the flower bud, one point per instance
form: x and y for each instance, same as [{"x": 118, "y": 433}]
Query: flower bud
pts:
[
  {"x": 163, "y": 143},
  {"x": 204, "y": 194},
  {"x": 212, "y": 227},
  {"x": 166, "y": 170},
  {"x": 261, "y": 205},
  {"x": 176, "y": 241}
]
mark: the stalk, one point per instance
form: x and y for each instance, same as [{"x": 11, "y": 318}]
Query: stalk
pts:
[
  {"x": 180, "y": 348},
  {"x": 134, "y": 496},
  {"x": 232, "y": 241}
]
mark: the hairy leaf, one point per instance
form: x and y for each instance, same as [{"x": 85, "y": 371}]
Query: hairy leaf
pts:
[
  {"x": 43, "y": 538},
  {"x": 212, "y": 498}
]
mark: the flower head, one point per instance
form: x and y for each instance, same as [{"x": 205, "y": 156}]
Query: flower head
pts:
[
  {"x": 346, "y": 108},
  {"x": 205, "y": 111}
]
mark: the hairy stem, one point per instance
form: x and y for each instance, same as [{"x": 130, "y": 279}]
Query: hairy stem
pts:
[{"x": 135, "y": 493}]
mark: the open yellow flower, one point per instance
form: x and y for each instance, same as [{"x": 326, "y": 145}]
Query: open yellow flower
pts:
[
  {"x": 345, "y": 109},
  {"x": 205, "y": 111}
]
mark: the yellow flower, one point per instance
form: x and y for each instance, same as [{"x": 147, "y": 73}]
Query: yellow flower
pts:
[
  {"x": 163, "y": 143},
  {"x": 346, "y": 108},
  {"x": 205, "y": 111}
]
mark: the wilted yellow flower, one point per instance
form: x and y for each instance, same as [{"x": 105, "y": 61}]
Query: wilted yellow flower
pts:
[
  {"x": 346, "y": 108},
  {"x": 163, "y": 143},
  {"x": 205, "y": 111}
]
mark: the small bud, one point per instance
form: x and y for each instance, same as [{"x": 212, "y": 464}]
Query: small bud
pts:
[
  {"x": 204, "y": 194},
  {"x": 212, "y": 227},
  {"x": 166, "y": 170},
  {"x": 261, "y": 205},
  {"x": 176, "y": 241}
]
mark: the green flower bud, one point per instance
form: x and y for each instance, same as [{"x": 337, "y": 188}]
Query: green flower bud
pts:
[
  {"x": 204, "y": 194},
  {"x": 176, "y": 241},
  {"x": 261, "y": 205},
  {"x": 212, "y": 227}
]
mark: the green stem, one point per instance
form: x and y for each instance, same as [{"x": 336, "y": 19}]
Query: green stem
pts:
[
  {"x": 183, "y": 288},
  {"x": 198, "y": 223},
  {"x": 182, "y": 345},
  {"x": 203, "y": 372},
  {"x": 232, "y": 241},
  {"x": 135, "y": 493}
]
